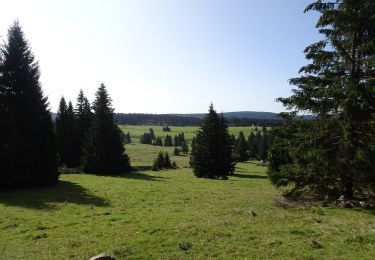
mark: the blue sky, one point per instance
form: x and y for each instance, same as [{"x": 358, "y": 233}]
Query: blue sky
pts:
[{"x": 167, "y": 56}]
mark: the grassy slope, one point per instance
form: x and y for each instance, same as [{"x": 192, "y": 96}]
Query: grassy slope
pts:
[{"x": 173, "y": 215}]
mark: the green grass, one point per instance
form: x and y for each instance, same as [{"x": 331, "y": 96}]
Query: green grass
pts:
[
  {"x": 173, "y": 215},
  {"x": 189, "y": 131}
]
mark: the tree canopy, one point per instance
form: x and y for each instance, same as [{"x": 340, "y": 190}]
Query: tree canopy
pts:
[
  {"x": 211, "y": 153},
  {"x": 27, "y": 146},
  {"x": 104, "y": 152},
  {"x": 332, "y": 154}
]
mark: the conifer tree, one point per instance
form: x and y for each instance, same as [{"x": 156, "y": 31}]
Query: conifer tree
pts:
[
  {"x": 152, "y": 134},
  {"x": 27, "y": 148},
  {"x": 158, "y": 141},
  {"x": 332, "y": 154},
  {"x": 176, "y": 141},
  {"x": 160, "y": 160},
  {"x": 168, "y": 141},
  {"x": 176, "y": 151},
  {"x": 74, "y": 156},
  {"x": 167, "y": 161},
  {"x": 68, "y": 146},
  {"x": 128, "y": 139},
  {"x": 240, "y": 150},
  {"x": 211, "y": 155},
  {"x": 251, "y": 145},
  {"x": 184, "y": 148},
  {"x": 83, "y": 116},
  {"x": 104, "y": 152}
]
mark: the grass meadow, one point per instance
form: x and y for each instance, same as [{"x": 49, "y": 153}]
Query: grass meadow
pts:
[{"x": 171, "y": 214}]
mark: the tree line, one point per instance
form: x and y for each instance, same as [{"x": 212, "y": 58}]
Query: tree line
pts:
[
  {"x": 31, "y": 147},
  {"x": 165, "y": 119},
  {"x": 256, "y": 146},
  {"x": 91, "y": 140}
]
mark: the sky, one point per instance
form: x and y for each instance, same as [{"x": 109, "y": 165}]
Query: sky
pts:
[{"x": 167, "y": 56}]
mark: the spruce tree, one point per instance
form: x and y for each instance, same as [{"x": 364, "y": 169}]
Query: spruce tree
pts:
[
  {"x": 104, "y": 151},
  {"x": 74, "y": 156},
  {"x": 176, "y": 141},
  {"x": 61, "y": 127},
  {"x": 240, "y": 150},
  {"x": 184, "y": 148},
  {"x": 332, "y": 154},
  {"x": 211, "y": 155},
  {"x": 176, "y": 151},
  {"x": 83, "y": 116},
  {"x": 158, "y": 141},
  {"x": 27, "y": 145},
  {"x": 251, "y": 145},
  {"x": 167, "y": 161},
  {"x": 68, "y": 146},
  {"x": 168, "y": 141}
]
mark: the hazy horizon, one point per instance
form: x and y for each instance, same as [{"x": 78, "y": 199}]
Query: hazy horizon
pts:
[{"x": 167, "y": 56}]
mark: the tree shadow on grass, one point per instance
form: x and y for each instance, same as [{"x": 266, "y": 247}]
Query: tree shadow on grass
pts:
[
  {"x": 45, "y": 198},
  {"x": 249, "y": 176},
  {"x": 138, "y": 175}
]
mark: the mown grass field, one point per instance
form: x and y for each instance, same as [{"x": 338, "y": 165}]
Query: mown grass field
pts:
[{"x": 173, "y": 215}]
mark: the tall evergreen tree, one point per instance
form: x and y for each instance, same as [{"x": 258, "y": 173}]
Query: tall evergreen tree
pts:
[
  {"x": 240, "y": 150},
  {"x": 211, "y": 155},
  {"x": 251, "y": 145},
  {"x": 83, "y": 119},
  {"x": 104, "y": 152},
  {"x": 128, "y": 138},
  {"x": 332, "y": 154},
  {"x": 27, "y": 145},
  {"x": 185, "y": 148},
  {"x": 168, "y": 141},
  {"x": 158, "y": 141},
  {"x": 68, "y": 146}
]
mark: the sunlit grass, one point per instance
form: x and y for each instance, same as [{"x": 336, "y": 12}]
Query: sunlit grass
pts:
[{"x": 171, "y": 214}]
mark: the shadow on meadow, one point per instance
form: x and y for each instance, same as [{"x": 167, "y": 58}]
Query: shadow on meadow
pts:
[
  {"x": 44, "y": 197},
  {"x": 249, "y": 176},
  {"x": 137, "y": 174}
]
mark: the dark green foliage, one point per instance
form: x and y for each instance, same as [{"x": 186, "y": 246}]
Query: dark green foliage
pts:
[
  {"x": 233, "y": 140},
  {"x": 166, "y": 129},
  {"x": 68, "y": 144},
  {"x": 259, "y": 145},
  {"x": 177, "y": 120},
  {"x": 83, "y": 119},
  {"x": 168, "y": 141},
  {"x": 162, "y": 161},
  {"x": 147, "y": 138},
  {"x": 240, "y": 150},
  {"x": 211, "y": 153},
  {"x": 27, "y": 148},
  {"x": 333, "y": 154},
  {"x": 152, "y": 135},
  {"x": 262, "y": 148},
  {"x": 179, "y": 139},
  {"x": 127, "y": 138},
  {"x": 176, "y": 151},
  {"x": 167, "y": 161},
  {"x": 251, "y": 146},
  {"x": 176, "y": 141},
  {"x": 185, "y": 148},
  {"x": 104, "y": 152},
  {"x": 158, "y": 141}
]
